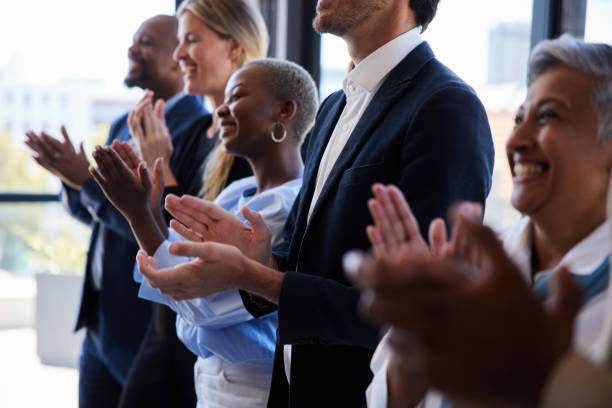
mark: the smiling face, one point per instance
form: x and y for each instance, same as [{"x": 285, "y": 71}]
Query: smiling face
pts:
[
  {"x": 206, "y": 59},
  {"x": 150, "y": 55},
  {"x": 556, "y": 160},
  {"x": 248, "y": 113}
]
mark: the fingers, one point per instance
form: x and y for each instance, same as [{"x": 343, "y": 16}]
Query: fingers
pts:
[
  {"x": 256, "y": 220},
  {"x": 143, "y": 174},
  {"x": 159, "y": 111},
  {"x": 406, "y": 217},
  {"x": 378, "y": 245},
  {"x": 185, "y": 232},
  {"x": 437, "y": 237},
  {"x": 386, "y": 217},
  {"x": 67, "y": 141},
  {"x": 147, "y": 265},
  {"x": 148, "y": 119},
  {"x": 99, "y": 178},
  {"x": 202, "y": 250},
  {"x": 81, "y": 150},
  {"x": 192, "y": 208}
]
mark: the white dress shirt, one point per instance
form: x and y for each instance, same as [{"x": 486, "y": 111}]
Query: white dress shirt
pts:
[
  {"x": 360, "y": 85},
  {"x": 582, "y": 259}
]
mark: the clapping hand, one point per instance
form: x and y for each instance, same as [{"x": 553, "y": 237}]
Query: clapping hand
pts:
[
  {"x": 216, "y": 267},
  {"x": 60, "y": 158},
  {"x": 202, "y": 220},
  {"x": 148, "y": 128},
  {"x": 125, "y": 184}
]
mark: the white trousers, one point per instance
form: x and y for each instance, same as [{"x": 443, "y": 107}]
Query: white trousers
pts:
[{"x": 220, "y": 384}]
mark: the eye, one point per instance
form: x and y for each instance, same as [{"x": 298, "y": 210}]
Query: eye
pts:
[
  {"x": 235, "y": 97},
  {"x": 518, "y": 118},
  {"x": 547, "y": 114}
]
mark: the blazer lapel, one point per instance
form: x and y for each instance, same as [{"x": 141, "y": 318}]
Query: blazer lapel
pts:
[
  {"x": 321, "y": 135},
  {"x": 394, "y": 86}
]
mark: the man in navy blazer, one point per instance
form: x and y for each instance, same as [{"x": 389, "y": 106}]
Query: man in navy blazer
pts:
[
  {"x": 115, "y": 317},
  {"x": 402, "y": 118}
]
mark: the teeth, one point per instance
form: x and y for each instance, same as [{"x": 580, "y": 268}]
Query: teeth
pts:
[
  {"x": 526, "y": 170},
  {"x": 188, "y": 69}
]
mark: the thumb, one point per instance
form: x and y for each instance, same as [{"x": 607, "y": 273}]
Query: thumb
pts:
[
  {"x": 566, "y": 300},
  {"x": 191, "y": 249},
  {"x": 437, "y": 236},
  {"x": 255, "y": 219},
  {"x": 143, "y": 174},
  {"x": 81, "y": 149}
]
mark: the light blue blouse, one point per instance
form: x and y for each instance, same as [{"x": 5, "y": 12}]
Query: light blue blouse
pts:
[{"x": 219, "y": 324}]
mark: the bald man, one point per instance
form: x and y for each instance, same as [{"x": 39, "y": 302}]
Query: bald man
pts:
[{"x": 111, "y": 312}]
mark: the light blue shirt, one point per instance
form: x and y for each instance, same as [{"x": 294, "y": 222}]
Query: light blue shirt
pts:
[{"x": 219, "y": 324}]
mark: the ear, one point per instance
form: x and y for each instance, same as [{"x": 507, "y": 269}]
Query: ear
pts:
[
  {"x": 235, "y": 50},
  {"x": 285, "y": 110}
]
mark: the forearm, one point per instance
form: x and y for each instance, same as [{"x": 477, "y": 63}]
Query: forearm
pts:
[
  {"x": 146, "y": 231},
  {"x": 261, "y": 280},
  {"x": 160, "y": 220}
]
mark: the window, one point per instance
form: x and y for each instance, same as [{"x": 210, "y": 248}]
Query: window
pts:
[
  {"x": 597, "y": 24},
  {"x": 62, "y": 58}
]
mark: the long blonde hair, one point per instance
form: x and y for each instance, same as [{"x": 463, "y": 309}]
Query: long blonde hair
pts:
[{"x": 241, "y": 21}]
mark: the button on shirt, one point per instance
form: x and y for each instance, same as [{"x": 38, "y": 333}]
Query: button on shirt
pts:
[{"x": 360, "y": 85}]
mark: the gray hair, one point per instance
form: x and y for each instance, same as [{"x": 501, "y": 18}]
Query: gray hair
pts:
[
  {"x": 594, "y": 60},
  {"x": 291, "y": 82}
]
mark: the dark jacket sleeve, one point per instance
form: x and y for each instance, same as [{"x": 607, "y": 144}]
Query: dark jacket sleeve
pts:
[{"x": 91, "y": 205}]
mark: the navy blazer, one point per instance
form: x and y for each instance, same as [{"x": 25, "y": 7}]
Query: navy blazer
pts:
[
  {"x": 426, "y": 131},
  {"x": 115, "y": 314}
]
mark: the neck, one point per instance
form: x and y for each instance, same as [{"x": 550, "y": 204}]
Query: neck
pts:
[
  {"x": 166, "y": 91},
  {"x": 552, "y": 239},
  {"x": 392, "y": 23},
  {"x": 276, "y": 169}
]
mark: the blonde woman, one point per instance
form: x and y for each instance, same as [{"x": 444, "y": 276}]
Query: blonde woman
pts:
[{"x": 216, "y": 37}]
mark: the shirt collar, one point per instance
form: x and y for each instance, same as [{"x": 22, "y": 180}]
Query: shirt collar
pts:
[
  {"x": 371, "y": 72},
  {"x": 582, "y": 259},
  {"x": 173, "y": 101}
]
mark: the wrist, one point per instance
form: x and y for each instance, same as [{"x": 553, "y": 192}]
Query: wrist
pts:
[{"x": 259, "y": 279}]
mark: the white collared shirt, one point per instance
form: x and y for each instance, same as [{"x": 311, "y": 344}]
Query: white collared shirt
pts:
[{"x": 360, "y": 85}]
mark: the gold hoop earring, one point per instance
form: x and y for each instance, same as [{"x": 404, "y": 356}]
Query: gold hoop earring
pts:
[{"x": 273, "y": 132}]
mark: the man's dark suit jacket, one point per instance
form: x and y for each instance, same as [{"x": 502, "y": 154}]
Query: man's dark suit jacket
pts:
[
  {"x": 115, "y": 314},
  {"x": 426, "y": 131}
]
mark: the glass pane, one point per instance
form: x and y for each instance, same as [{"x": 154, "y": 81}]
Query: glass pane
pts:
[
  {"x": 490, "y": 53},
  {"x": 61, "y": 62},
  {"x": 64, "y": 64},
  {"x": 597, "y": 25}
]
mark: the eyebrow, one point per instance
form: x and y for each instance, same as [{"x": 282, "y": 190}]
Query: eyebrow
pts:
[
  {"x": 236, "y": 86},
  {"x": 551, "y": 100}
]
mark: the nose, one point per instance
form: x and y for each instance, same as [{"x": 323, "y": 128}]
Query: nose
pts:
[
  {"x": 179, "y": 51},
  {"x": 523, "y": 136},
  {"x": 222, "y": 110},
  {"x": 133, "y": 49}
]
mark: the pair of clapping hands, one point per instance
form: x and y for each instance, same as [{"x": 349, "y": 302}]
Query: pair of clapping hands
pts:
[
  {"x": 462, "y": 317},
  {"x": 216, "y": 238}
]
